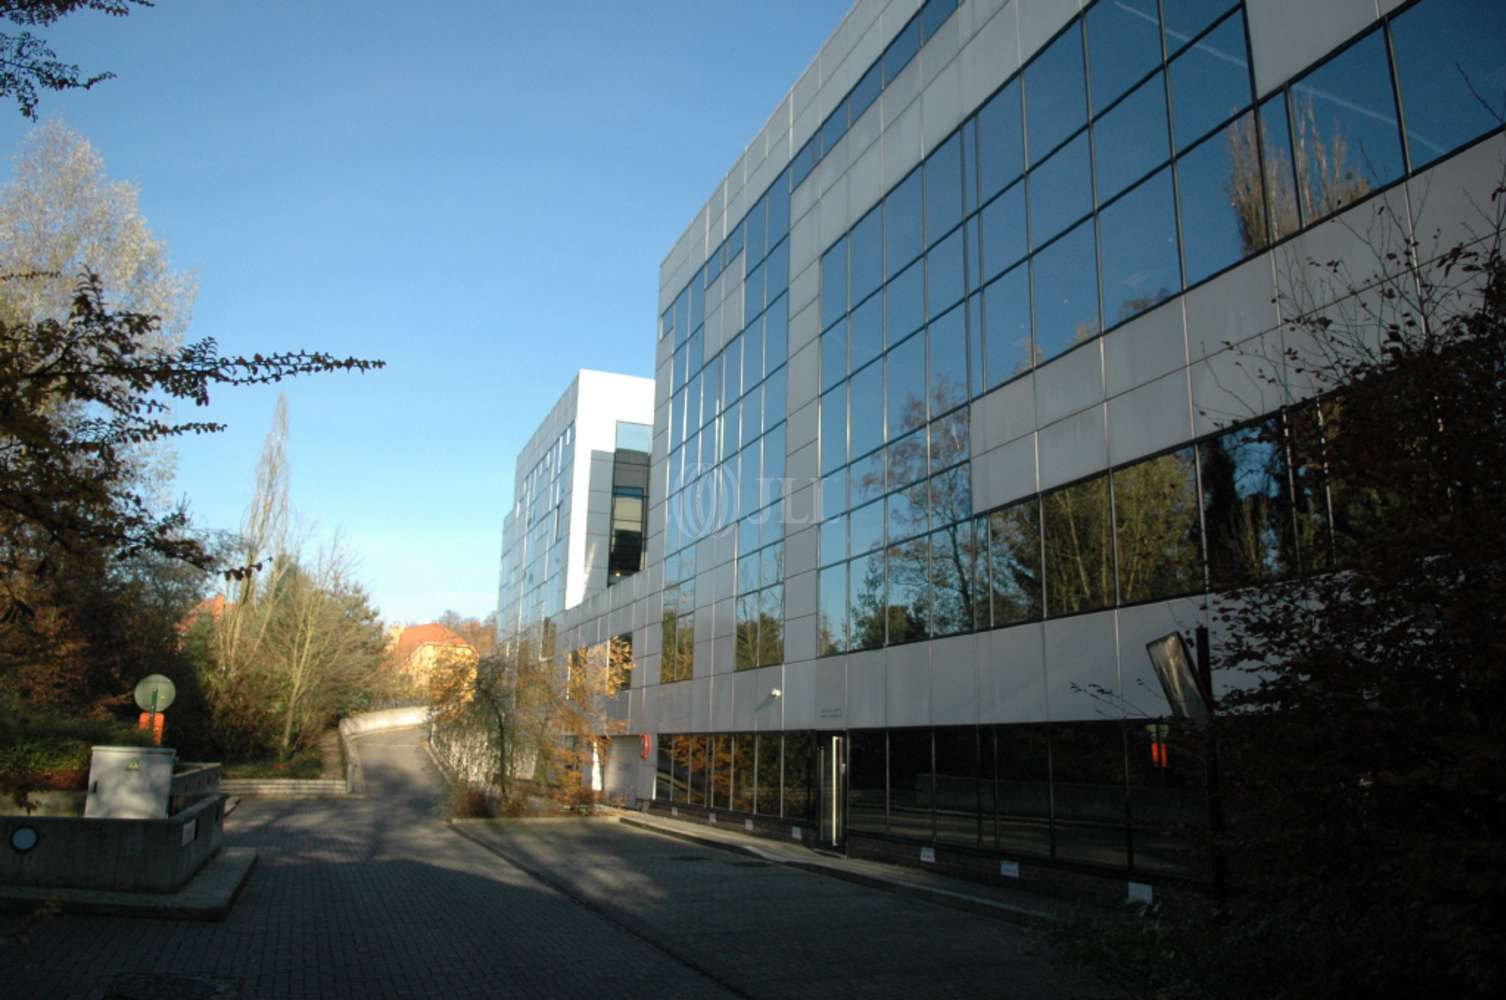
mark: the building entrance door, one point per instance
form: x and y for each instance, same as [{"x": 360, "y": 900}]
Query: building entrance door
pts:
[{"x": 833, "y": 784}]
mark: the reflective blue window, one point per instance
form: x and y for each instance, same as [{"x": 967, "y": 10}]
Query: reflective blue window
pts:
[
  {"x": 907, "y": 514},
  {"x": 935, "y": 14},
  {"x": 867, "y": 242},
  {"x": 753, "y": 288},
  {"x": 1061, "y": 191},
  {"x": 756, "y": 230},
  {"x": 947, "y": 338},
  {"x": 834, "y": 429},
  {"x": 1066, "y": 293},
  {"x": 906, "y": 459},
  {"x": 1282, "y": 212},
  {"x": 1006, "y": 326},
  {"x": 866, "y": 330},
  {"x": 804, "y": 161},
  {"x": 1124, "y": 44},
  {"x": 777, "y": 269},
  {"x": 902, "y": 223},
  {"x": 1001, "y": 145},
  {"x": 1222, "y": 213},
  {"x": 832, "y": 629},
  {"x": 1210, "y": 82},
  {"x": 866, "y": 92},
  {"x": 779, "y": 209},
  {"x": 834, "y": 284},
  {"x": 1138, "y": 244},
  {"x": 943, "y": 171},
  {"x": 1186, "y": 18},
  {"x": 906, "y": 370},
  {"x": 1344, "y": 121},
  {"x": 868, "y": 528},
  {"x": 1055, "y": 93},
  {"x": 1441, "y": 53},
  {"x": 774, "y": 456},
  {"x": 900, "y": 51},
  {"x": 833, "y": 356},
  {"x": 776, "y": 333},
  {"x": 834, "y": 129},
  {"x": 946, "y": 280},
  {"x": 868, "y": 478},
  {"x": 1004, "y": 231},
  {"x": 969, "y": 134},
  {"x": 905, "y": 299},
  {"x": 834, "y": 494},
  {"x": 1131, "y": 140},
  {"x": 733, "y": 355},
  {"x": 774, "y": 395},
  {"x": 866, "y": 601},
  {"x": 867, "y": 411}
]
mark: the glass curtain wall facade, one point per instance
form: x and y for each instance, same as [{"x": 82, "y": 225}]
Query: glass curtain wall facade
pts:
[{"x": 1135, "y": 157}]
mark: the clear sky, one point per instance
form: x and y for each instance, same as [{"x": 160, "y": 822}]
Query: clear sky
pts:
[{"x": 477, "y": 192}]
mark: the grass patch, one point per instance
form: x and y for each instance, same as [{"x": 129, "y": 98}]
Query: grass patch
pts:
[{"x": 45, "y": 750}]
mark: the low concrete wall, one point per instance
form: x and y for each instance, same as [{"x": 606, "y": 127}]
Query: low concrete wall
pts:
[
  {"x": 371, "y": 722},
  {"x": 124, "y": 855},
  {"x": 53, "y": 802},
  {"x": 284, "y": 788}
]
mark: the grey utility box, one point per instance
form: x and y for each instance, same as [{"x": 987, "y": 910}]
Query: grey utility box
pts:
[{"x": 130, "y": 782}]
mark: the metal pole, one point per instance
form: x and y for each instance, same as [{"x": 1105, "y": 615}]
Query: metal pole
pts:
[{"x": 1215, "y": 798}]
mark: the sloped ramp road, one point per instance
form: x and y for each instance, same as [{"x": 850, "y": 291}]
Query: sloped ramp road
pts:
[{"x": 377, "y": 897}]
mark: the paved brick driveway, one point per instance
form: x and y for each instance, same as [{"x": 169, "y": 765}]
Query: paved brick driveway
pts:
[{"x": 377, "y": 898}]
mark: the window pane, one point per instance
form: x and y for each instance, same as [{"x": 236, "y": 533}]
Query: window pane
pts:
[
  {"x": 744, "y": 778},
  {"x": 1157, "y": 529},
  {"x": 834, "y": 128},
  {"x": 773, "y": 459},
  {"x": 721, "y": 772},
  {"x": 833, "y": 542},
  {"x": 866, "y": 601},
  {"x": 1066, "y": 293},
  {"x": 1088, "y": 793},
  {"x": 804, "y": 161},
  {"x": 866, "y": 781},
  {"x": 866, "y": 332},
  {"x": 867, "y": 91},
  {"x": 733, "y": 359},
  {"x": 950, "y": 498},
  {"x": 681, "y": 751},
  {"x": 1440, "y": 54},
  {"x": 774, "y": 395},
  {"x": 1168, "y": 798},
  {"x": 905, "y": 301},
  {"x": 1003, "y": 224},
  {"x": 834, "y": 429},
  {"x": 907, "y": 459},
  {"x": 700, "y": 767},
  {"x": 868, "y": 477},
  {"x": 1280, "y": 181},
  {"x": 952, "y": 558},
  {"x": 1055, "y": 93},
  {"x": 1079, "y": 548},
  {"x": 947, "y": 338},
  {"x": 1245, "y": 506},
  {"x": 1021, "y": 799},
  {"x": 1015, "y": 562},
  {"x": 776, "y": 328},
  {"x": 867, "y": 422},
  {"x": 800, "y": 800},
  {"x": 754, "y": 230},
  {"x": 957, "y": 785},
  {"x": 906, "y": 369},
  {"x": 1186, "y": 18},
  {"x": 901, "y": 50},
  {"x": 766, "y": 801},
  {"x": 833, "y": 356},
  {"x": 747, "y": 632},
  {"x": 1222, "y": 216},
  {"x": 1210, "y": 82},
  {"x": 935, "y": 14},
  {"x": 834, "y": 284},
  {"x": 664, "y": 769},
  {"x": 1124, "y": 44},
  {"x": 1344, "y": 121},
  {"x": 1061, "y": 191},
  {"x": 1006, "y": 326},
  {"x": 951, "y": 443},
  {"x": 834, "y": 494},
  {"x": 1131, "y": 140},
  {"x": 909, "y": 588},
  {"x": 910, "y": 790},
  {"x": 779, "y": 210},
  {"x": 943, "y": 172},
  {"x": 1001, "y": 148},
  {"x": 902, "y": 224},
  {"x": 1138, "y": 237},
  {"x": 868, "y": 528},
  {"x": 945, "y": 277},
  {"x": 867, "y": 241},
  {"x": 831, "y": 631}
]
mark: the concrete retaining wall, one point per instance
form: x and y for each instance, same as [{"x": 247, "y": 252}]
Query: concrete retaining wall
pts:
[
  {"x": 370, "y": 722},
  {"x": 284, "y": 788}
]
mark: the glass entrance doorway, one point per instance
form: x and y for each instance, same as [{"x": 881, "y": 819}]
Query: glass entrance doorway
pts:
[{"x": 833, "y": 774}]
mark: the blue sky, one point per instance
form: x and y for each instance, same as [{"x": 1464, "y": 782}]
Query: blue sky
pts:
[{"x": 478, "y": 193}]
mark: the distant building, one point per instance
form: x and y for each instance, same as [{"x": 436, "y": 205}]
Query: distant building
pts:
[{"x": 416, "y": 650}]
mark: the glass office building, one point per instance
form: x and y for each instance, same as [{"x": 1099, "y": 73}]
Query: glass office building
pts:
[{"x": 961, "y": 381}]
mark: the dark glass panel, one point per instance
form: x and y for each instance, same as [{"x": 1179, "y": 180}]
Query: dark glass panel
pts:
[
  {"x": 1088, "y": 793},
  {"x": 1061, "y": 191},
  {"x": 947, "y": 339},
  {"x": 1442, "y": 62},
  {"x": 834, "y": 429},
  {"x": 834, "y": 284},
  {"x": 901, "y": 50},
  {"x": 721, "y": 772},
  {"x": 681, "y": 750},
  {"x": 1167, "y": 798},
  {"x": 770, "y": 564},
  {"x": 866, "y": 331},
  {"x": 1066, "y": 293},
  {"x": 867, "y": 423},
  {"x": 868, "y": 528},
  {"x": 907, "y": 459},
  {"x": 1222, "y": 216},
  {"x": 907, "y": 513},
  {"x": 1309, "y": 489},
  {"x": 1138, "y": 248},
  {"x": 732, "y": 359},
  {"x": 969, "y": 133},
  {"x": 910, "y": 783},
  {"x": 1006, "y": 326},
  {"x": 956, "y": 785},
  {"x": 946, "y": 280},
  {"x": 755, "y": 226},
  {"x": 1246, "y": 506},
  {"x": 949, "y": 498},
  {"x": 697, "y": 300},
  {"x": 903, "y": 224},
  {"x": 752, "y": 356},
  {"x": 1001, "y": 147},
  {"x": 1015, "y": 562},
  {"x": 766, "y": 799},
  {"x": 950, "y": 444},
  {"x": 664, "y": 769},
  {"x": 779, "y": 210},
  {"x": 1361, "y": 509},
  {"x": 834, "y": 494},
  {"x": 699, "y": 750},
  {"x": 943, "y": 172},
  {"x": 833, "y": 541},
  {"x": 1157, "y": 528},
  {"x": 1131, "y": 140},
  {"x": 1055, "y": 93},
  {"x": 834, "y": 129},
  {"x": 1210, "y": 82},
  {"x": 744, "y": 775},
  {"x": 1344, "y": 123},
  {"x": 1124, "y": 43},
  {"x": 1282, "y": 214},
  {"x": 800, "y": 801},
  {"x": 909, "y": 607},
  {"x": 774, "y": 394},
  {"x": 771, "y": 626},
  {"x": 831, "y": 628},
  {"x": 669, "y": 661},
  {"x": 804, "y": 161},
  {"x": 935, "y": 13},
  {"x": 833, "y": 356},
  {"x": 906, "y": 369},
  {"x": 953, "y": 557},
  {"x": 976, "y": 385},
  {"x": 1186, "y": 18},
  {"x": 868, "y": 481},
  {"x": 773, "y": 455},
  {"x": 1021, "y": 799},
  {"x": 982, "y": 590},
  {"x": 749, "y": 482},
  {"x": 746, "y": 653},
  {"x": 1079, "y": 548},
  {"x": 866, "y": 780},
  {"x": 685, "y": 643},
  {"x": 867, "y": 241},
  {"x": 776, "y": 331},
  {"x": 905, "y": 297},
  {"x": 867, "y": 91},
  {"x": 866, "y": 599},
  {"x": 1004, "y": 231}
]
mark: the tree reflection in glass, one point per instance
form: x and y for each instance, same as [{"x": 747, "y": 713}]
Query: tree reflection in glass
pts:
[
  {"x": 1015, "y": 562},
  {"x": 1156, "y": 528},
  {"x": 1246, "y": 506},
  {"x": 1079, "y": 548}
]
